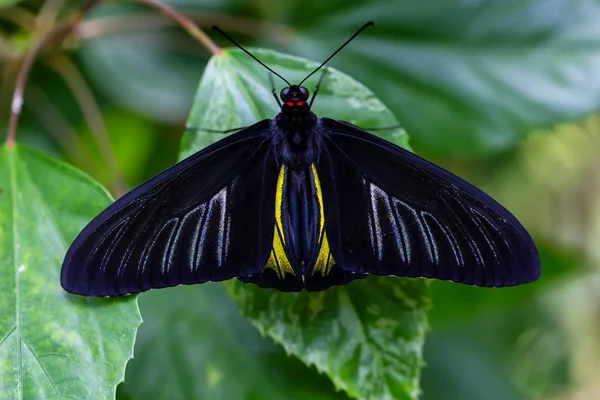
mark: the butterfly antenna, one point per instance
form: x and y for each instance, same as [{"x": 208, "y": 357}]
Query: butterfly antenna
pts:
[
  {"x": 216, "y": 28},
  {"x": 365, "y": 26}
]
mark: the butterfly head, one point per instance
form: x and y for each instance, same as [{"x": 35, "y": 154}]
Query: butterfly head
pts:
[{"x": 294, "y": 98}]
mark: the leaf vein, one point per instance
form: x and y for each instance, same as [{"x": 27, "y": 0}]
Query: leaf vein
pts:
[
  {"x": 13, "y": 184},
  {"x": 5, "y": 337},
  {"x": 23, "y": 341}
]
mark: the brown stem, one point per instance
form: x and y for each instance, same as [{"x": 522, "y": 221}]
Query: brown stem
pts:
[
  {"x": 7, "y": 81},
  {"x": 17, "y": 98},
  {"x": 57, "y": 34},
  {"x": 48, "y": 13},
  {"x": 91, "y": 29},
  {"x": 184, "y": 22}
]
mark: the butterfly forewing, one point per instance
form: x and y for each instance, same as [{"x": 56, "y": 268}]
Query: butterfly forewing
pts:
[
  {"x": 208, "y": 218},
  {"x": 390, "y": 212}
]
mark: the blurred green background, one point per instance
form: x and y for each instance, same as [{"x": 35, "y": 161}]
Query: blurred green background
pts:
[{"x": 503, "y": 93}]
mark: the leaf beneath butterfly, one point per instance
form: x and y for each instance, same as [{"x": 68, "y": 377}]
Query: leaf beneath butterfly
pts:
[
  {"x": 366, "y": 337},
  {"x": 209, "y": 351},
  {"x": 53, "y": 345}
]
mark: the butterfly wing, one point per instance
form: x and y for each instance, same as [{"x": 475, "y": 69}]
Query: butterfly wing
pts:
[
  {"x": 208, "y": 218},
  {"x": 390, "y": 212}
]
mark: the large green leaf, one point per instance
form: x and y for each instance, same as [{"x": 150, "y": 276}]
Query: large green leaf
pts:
[
  {"x": 466, "y": 76},
  {"x": 208, "y": 351},
  {"x": 462, "y": 76},
  {"x": 367, "y": 337},
  {"x": 52, "y": 344}
]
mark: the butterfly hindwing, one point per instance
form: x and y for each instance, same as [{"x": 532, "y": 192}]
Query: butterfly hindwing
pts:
[
  {"x": 390, "y": 212},
  {"x": 208, "y": 218}
]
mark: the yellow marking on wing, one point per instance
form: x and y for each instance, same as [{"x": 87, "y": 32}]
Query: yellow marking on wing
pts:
[
  {"x": 324, "y": 261},
  {"x": 279, "y": 201},
  {"x": 278, "y": 261}
]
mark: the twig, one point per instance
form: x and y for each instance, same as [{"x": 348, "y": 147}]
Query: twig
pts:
[
  {"x": 184, "y": 22},
  {"x": 91, "y": 29},
  {"x": 48, "y": 13},
  {"x": 10, "y": 69},
  {"x": 17, "y": 99},
  {"x": 57, "y": 34}
]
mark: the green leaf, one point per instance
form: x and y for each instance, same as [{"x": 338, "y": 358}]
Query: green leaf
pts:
[
  {"x": 209, "y": 351},
  {"x": 464, "y": 76},
  {"x": 53, "y": 344},
  {"x": 367, "y": 337}
]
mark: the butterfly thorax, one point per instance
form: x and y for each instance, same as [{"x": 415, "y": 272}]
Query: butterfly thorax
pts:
[
  {"x": 295, "y": 130},
  {"x": 296, "y": 141}
]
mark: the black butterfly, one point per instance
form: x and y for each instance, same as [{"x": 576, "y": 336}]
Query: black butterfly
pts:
[{"x": 299, "y": 202}]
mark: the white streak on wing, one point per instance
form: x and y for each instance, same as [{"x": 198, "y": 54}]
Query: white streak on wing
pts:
[
  {"x": 421, "y": 229},
  {"x": 169, "y": 246},
  {"x": 201, "y": 211},
  {"x": 133, "y": 241},
  {"x": 472, "y": 243},
  {"x": 218, "y": 200},
  {"x": 465, "y": 231},
  {"x": 190, "y": 217},
  {"x": 391, "y": 218},
  {"x": 478, "y": 220},
  {"x": 372, "y": 235},
  {"x": 430, "y": 238},
  {"x": 203, "y": 232},
  {"x": 492, "y": 225},
  {"x": 121, "y": 225},
  {"x": 376, "y": 194},
  {"x": 227, "y": 236},
  {"x": 458, "y": 256},
  {"x": 221, "y": 199},
  {"x": 148, "y": 249},
  {"x": 403, "y": 236}
]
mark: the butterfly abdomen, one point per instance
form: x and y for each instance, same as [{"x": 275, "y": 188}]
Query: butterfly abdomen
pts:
[{"x": 300, "y": 245}]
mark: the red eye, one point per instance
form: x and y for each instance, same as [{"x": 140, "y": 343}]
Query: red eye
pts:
[
  {"x": 299, "y": 103},
  {"x": 289, "y": 103}
]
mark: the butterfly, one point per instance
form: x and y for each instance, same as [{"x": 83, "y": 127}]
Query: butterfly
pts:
[{"x": 297, "y": 203}]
